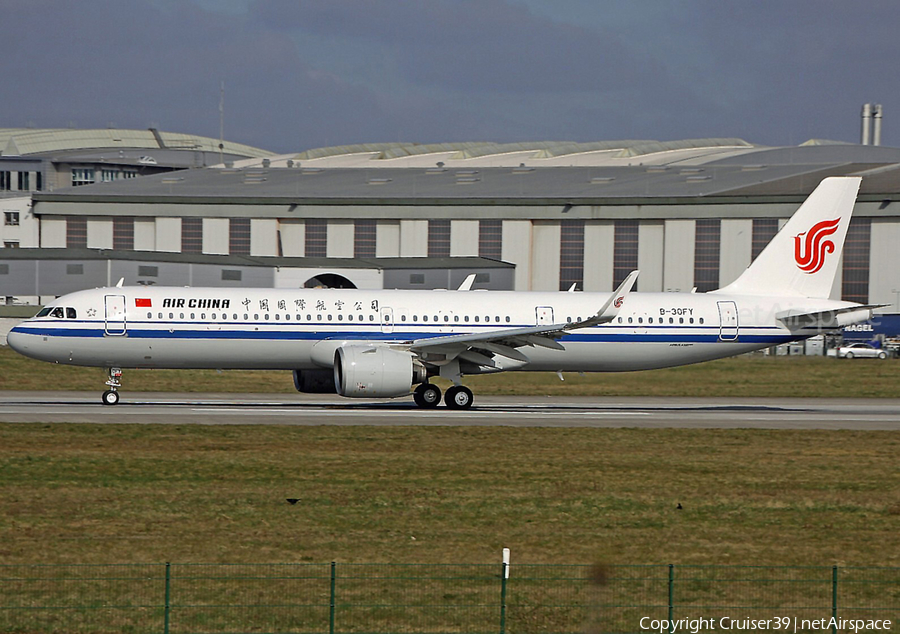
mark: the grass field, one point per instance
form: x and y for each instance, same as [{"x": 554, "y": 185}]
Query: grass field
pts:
[
  {"x": 105, "y": 494},
  {"x": 739, "y": 377}
]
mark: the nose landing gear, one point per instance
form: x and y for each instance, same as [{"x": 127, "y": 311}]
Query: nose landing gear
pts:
[{"x": 111, "y": 396}]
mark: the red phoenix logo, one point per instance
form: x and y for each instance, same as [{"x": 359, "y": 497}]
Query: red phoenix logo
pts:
[
  {"x": 619, "y": 301},
  {"x": 809, "y": 252}
]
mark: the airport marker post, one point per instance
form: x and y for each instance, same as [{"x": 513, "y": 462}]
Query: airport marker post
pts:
[{"x": 503, "y": 577}]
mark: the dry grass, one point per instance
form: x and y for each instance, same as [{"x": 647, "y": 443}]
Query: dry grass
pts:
[
  {"x": 738, "y": 377},
  {"x": 102, "y": 494}
]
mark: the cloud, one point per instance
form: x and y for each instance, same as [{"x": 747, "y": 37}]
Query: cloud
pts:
[{"x": 478, "y": 45}]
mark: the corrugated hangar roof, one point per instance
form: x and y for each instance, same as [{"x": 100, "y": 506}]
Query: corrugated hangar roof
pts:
[
  {"x": 727, "y": 173},
  {"x": 29, "y": 141}
]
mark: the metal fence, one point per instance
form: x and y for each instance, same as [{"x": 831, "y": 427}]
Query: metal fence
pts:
[{"x": 427, "y": 598}]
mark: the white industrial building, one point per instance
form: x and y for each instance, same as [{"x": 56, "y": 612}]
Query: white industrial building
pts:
[{"x": 687, "y": 213}]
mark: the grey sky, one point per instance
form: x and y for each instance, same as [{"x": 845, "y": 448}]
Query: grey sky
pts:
[{"x": 303, "y": 74}]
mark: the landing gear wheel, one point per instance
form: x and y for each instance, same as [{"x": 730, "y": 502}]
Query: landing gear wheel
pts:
[
  {"x": 459, "y": 397},
  {"x": 110, "y": 398},
  {"x": 427, "y": 395}
]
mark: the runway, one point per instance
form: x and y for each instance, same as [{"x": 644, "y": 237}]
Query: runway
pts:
[{"x": 495, "y": 411}]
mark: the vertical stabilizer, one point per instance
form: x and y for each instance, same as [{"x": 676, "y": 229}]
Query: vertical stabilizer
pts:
[{"x": 802, "y": 259}]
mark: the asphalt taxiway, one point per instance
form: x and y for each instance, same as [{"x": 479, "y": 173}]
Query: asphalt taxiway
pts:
[{"x": 517, "y": 411}]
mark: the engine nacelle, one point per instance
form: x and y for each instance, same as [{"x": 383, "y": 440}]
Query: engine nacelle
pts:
[
  {"x": 375, "y": 371},
  {"x": 315, "y": 381}
]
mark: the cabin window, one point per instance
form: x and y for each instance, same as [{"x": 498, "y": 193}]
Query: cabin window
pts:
[
  {"x": 681, "y": 320},
  {"x": 701, "y": 320},
  {"x": 171, "y": 316},
  {"x": 477, "y": 318},
  {"x": 446, "y": 318},
  {"x": 487, "y": 319},
  {"x": 402, "y": 317},
  {"x": 671, "y": 320},
  {"x": 631, "y": 320},
  {"x": 371, "y": 317},
  {"x": 424, "y": 317},
  {"x": 181, "y": 316},
  {"x": 319, "y": 317},
  {"x": 568, "y": 320},
  {"x": 149, "y": 315},
  {"x": 640, "y": 320},
  {"x": 466, "y": 319},
  {"x": 329, "y": 316},
  {"x": 308, "y": 318},
  {"x": 620, "y": 320},
  {"x": 70, "y": 313},
  {"x": 650, "y": 320},
  {"x": 692, "y": 320},
  {"x": 456, "y": 318},
  {"x": 277, "y": 317},
  {"x": 340, "y": 317},
  {"x": 160, "y": 315},
  {"x": 507, "y": 319}
]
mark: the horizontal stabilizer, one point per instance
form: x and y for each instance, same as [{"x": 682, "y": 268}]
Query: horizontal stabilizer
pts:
[{"x": 827, "y": 319}]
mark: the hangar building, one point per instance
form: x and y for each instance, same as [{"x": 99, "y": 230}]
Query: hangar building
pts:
[{"x": 691, "y": 213}]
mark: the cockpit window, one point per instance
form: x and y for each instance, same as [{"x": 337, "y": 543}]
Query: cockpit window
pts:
[
  {"x": 44, "y": 311},
  {"x": 57, "y": 313},
  {"x": 70, "y": 313}
]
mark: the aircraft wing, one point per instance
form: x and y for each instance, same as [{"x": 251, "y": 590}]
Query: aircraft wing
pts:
[{"x": 481, "y": 347}]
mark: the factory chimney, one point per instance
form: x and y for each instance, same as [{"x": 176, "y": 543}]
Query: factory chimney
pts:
[
  {"x": 871, "y": 124},
  {"x": 876, "y": 124},
  {"x": 866, "y": 123}
]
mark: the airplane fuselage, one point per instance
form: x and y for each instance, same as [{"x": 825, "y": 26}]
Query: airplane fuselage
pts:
[{"x": 138, "y": 327}]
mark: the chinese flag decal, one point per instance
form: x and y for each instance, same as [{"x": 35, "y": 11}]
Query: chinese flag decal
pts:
[{"x": 142, "y": 303}]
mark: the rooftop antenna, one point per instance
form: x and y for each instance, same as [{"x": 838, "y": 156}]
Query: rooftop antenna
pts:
[{"x": 222, "y": 122}]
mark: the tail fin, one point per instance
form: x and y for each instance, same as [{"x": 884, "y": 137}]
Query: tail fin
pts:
[{"x": 802, "y": 259}]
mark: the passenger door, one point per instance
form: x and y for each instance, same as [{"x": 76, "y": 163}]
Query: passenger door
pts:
[
  {"x": 728, "y": 321},
  {"x": 115, "y": 314}
]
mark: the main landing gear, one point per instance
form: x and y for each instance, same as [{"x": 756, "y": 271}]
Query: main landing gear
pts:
[
  {"x": 111, "y": 396},
  {"x": 428, "y": 395}
]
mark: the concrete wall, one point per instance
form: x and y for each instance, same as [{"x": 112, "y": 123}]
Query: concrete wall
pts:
[
  {"x": 463, "y": 237},
  {"x": 414, "y": 238},
  {"x": 341, "y": 238},
  {"x": 599, "y": 237},
  {"x": 517, "y": 235},
  {"x": 263, "y": 236},
  {"x": 216, "y": 236},
  {"x": 168, "y": 235},
  {"x": 293, "y": 238},
  {"x": 884, "y": 285},
  {"x": 387, "y": 238},
  {"x": 545, "y": 255},
  {"x": 735, "y": 249},
  {"x": 651, "y": 250},
  {"x": 678, "y": 261}
]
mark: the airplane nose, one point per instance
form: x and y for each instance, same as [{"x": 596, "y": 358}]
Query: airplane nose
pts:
[{"x": 16, "y": 339}]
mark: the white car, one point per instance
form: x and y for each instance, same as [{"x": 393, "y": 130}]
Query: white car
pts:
[{"x": 861, "y": 351}]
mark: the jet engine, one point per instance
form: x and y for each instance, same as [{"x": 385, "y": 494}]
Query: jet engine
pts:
[
  {"x": 375, "y": 371},
  {"x": 315, "y": 381}
]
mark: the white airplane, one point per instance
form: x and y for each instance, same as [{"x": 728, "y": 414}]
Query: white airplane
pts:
[{"x": 384, "y": 343}]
